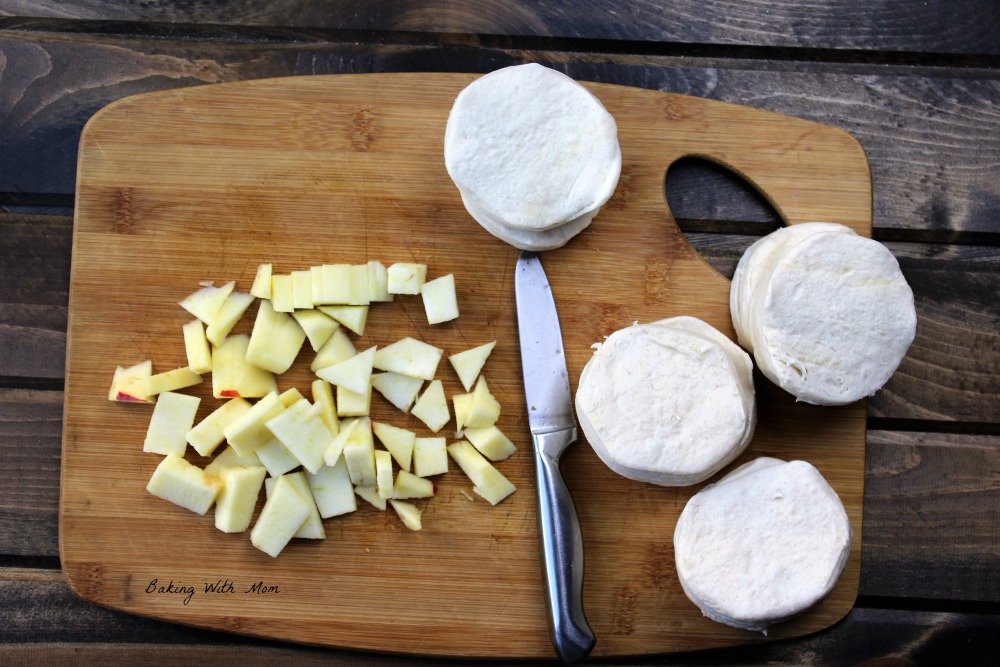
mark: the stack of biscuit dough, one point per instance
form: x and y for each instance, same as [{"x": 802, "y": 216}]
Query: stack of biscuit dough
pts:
[
  {"x": 826, "y": 313},
  {"x": 763, "y": 544},
  {"x": 533, "y": 153},
  {"x": 670, "y": 402}
]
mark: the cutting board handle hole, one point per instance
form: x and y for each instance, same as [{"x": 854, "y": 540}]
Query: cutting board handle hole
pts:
[{"x": 705, "y": 196}]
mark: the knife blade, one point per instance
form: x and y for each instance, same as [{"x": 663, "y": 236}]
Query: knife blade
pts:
[{"x": 553, "y": 429}]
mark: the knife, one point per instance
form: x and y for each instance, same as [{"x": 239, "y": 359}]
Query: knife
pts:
[{"x": 553, "y": 428}]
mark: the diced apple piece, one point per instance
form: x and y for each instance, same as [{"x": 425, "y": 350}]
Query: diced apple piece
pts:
[
  {"x": 462, "y": 402},
  {"x": 184, "y": 484},
  {"x": 484, "y": 409},
  {"x": 290, "y": 397},
  {"x": 352, "y": 317},
  {"x": 323, "y": 401},
  {"x": 303, "y": 433},
  {"x": 275, "y": 340},
  {"x": 360, "y": 290},
  {"x": 332, "y": 490},
  {"x": 172, "y": 418},
  {"x": 249, "y": 432},
  {"x": 440, "y": 302},
  {"x": 302, "y": 290},
  {"x": 370, "y": 494},
  {"x": 406, "y": 277},
  {"x": 354, "y": 374},
  {"x": 179, "y": 378},
  {"x": 336, "y": 281},
  {"x": 229, "y": 459},
  {"x": 274, "y": 456},
  {"x": 131, "y": 384},
  {"x": 400, "y": 390},
  {"x": 232, "y": 310},
  {"x": 488, "y": 481},
  {"x": 261, "y": 287},
  {"x": 398, "y": 441},
  {"x": 408, "y": 485},
  {"x": 409, "y": 356},
  {"x": 383, "y": 473},
  {"x": 378, "y": 283},
  {"x": 359, "y": 452},
  {"x": 317, "y": 325},
  {"x": 196, "y": 347},
  {"x": 207, "y": 434},
  {"x": 282, "y": 293},
  {"x": 408, "y": 512},
  {"x": 353, "y": 404},
  {"x": 336, "y": 447},
  {"x": 206, "y": 302},
  {"x": 469, "y": 363},
  {"x": 430, "y": 457},
  {"x": 284, "y": 512},
  {"x": 312, "y": 527},
  {"x": 233, "y": 376},
  {"x": 337, "y": 348},
  {"x": 432, "y": 407},
  {"x": 491, "y": 442},
  {"x": 238, "y": 499}
]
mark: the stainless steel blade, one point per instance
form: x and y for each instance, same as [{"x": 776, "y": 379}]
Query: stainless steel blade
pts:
[
  {"x": 550, "y": 417},
  {"x": 543, "y": 360}
]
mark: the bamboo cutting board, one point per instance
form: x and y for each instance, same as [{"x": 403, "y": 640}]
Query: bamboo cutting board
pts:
[{"x": 206, "y": 183}]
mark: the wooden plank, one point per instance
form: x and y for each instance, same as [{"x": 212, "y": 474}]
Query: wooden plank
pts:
[
  {"x": 938, "y": 26},
  {"x": 931, "y": 134},
  {"x": 187, "y": 183},
  {"x": 46, "y": 623},
  {"x": 34, "y": 271},
  {"x": 30, "y": 453},
  {"x": 925, "y": 535}
]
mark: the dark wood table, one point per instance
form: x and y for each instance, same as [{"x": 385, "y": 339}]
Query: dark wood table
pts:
[{"x": 917, "y": 83}]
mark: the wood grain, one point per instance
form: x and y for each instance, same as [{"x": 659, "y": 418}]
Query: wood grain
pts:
[
  {"x": 47, "y": 624},
  {"x": 938, "y": 26},
  {"x": 209, "y": 182},
  {"x": 931, "y": 133}
]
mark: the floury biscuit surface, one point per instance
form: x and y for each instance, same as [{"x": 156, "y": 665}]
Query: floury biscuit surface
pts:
[
  {"x": 827, "y": 313},
  {"x": 670, "y": 402},
  {"x": 531, "y": 150},
  {"x": 763, "y": 544}
]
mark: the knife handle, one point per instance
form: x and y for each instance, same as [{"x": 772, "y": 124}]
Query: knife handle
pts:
[{"x": 561, "y": 543}]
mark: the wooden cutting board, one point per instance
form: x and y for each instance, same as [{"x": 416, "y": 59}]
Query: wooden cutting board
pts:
[{"x": 206, "y": 183}]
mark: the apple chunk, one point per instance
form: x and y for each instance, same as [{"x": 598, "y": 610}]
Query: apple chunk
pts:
[
  {"x": 408, "y": 485},
  {"x": 432, "y": 407},
  {"x": 235, "y": 505},
  {"x": 353, "y": 374},
  {"x": 184, "y": 484},
  {"x": 302, "y": 431},
  {"x": 208, "y": 433},
  {"x": 430, "y": 457},
  {"x": 488, "y": 481},
  {"x": 408, "y": 513},
  {"x": 406, "y": 277},
  {"x": 196, "y": 347},
  {"x": 233, "y": 376},
  {"x": 131, "y": 385},
  {"x": 232, "y": 310},
  {"x": 400, "y": 390},
  {"x": 206, "y": 302},
  {"x": 440, "y": 301},
  {"x": 172, "y": 418},
  {"x": 491, "y": 442},
  {"x": 409, "y": 356},
  {"x": 397, "y": 441},
  {"x": 284, "y": 512},
  {"x": 332, "y": 490},
  {"x": 275, "y": 340},
  {"x": 179, "y": 378},
  {"x": 469, "y": 363}
]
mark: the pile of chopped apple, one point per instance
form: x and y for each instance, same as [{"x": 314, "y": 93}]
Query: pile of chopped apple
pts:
[{"x": 314, "y": 456}]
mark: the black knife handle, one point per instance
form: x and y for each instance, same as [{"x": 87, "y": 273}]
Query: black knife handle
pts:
[{"x": 561, "y": 543}]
